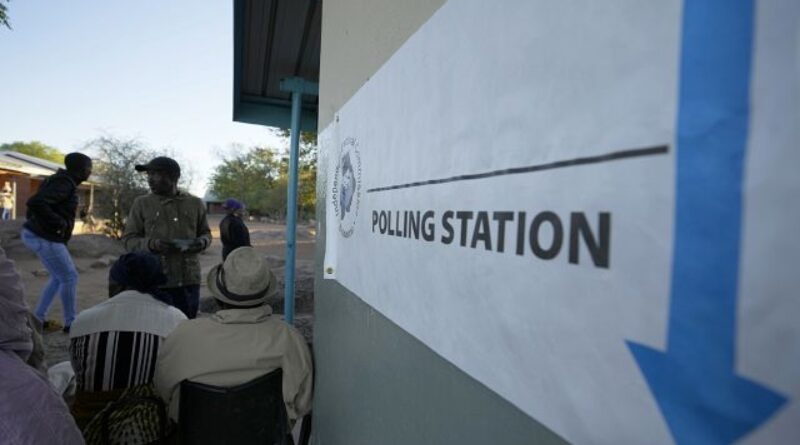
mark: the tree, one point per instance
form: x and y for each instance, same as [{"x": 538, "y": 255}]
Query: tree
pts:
[
  {"x": 114, "y": 168},
  {"x": 248, "y": 176},
  {"x": 4, "y": 14},
  {"x": 36, "y": 149},
  {"x": 259, "y": 177},
  {"x": 306, "y": 174},
  {"x": 307, "y": 148}
]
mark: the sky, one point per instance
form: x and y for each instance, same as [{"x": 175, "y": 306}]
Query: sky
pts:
[{"x": 160, "y": 71}]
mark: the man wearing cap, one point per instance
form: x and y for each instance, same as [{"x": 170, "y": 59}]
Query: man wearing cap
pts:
[
  {"x": 241, "y": 342},
  {"x": 170, "y": 223},
  {"x": 232, "y": 231}
]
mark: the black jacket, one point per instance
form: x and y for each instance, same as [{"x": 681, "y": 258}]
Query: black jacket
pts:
[
  {"x": 233, "y": 233},
  {"x": 51, "y": 211}
]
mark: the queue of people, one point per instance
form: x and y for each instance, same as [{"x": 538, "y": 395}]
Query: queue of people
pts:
[{"x": 146, "y": 339}]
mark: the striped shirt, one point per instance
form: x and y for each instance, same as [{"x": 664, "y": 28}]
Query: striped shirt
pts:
[
  {"x": 114, "y": 345},
  {"x": 104, "y": 361}
]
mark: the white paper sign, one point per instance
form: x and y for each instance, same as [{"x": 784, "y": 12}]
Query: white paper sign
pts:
[{"x": 504, "y": 189}]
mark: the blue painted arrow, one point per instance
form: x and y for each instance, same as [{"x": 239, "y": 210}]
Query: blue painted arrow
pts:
[{"x": 693, "y": 381}]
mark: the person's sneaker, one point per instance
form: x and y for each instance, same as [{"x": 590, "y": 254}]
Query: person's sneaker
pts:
[
  {"x": 66, "y": 329},
  {"x": 51, "y": 326}
]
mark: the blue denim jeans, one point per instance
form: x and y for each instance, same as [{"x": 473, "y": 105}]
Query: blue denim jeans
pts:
[{"x": 63, "y": 275}]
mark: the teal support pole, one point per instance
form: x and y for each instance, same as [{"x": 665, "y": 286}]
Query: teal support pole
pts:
[
  {"x": 291, "y": 211},
  {"x": 297, "y": 87}
]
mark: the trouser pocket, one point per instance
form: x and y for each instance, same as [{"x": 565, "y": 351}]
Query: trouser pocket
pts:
[{"x": 31, "y": 241}]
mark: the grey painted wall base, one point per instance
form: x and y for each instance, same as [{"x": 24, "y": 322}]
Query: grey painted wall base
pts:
[{"x": 376, "y": 384}]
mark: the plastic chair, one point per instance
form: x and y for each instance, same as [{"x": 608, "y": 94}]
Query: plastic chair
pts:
[{"x": 250, "y": 413}]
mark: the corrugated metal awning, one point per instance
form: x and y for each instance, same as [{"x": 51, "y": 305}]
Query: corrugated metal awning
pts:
[
  {"x": 273, "y": 40},
  {"x": 34, "y": 167},
  {"x": 27, "y": 165}
]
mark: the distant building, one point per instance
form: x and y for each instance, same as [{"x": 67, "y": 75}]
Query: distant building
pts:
[
  {"x": 24, "y": 174},
  {"x": 213, "y": 203}
]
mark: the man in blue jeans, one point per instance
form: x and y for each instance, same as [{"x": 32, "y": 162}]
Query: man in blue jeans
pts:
[{"x": 50, "y": 220}]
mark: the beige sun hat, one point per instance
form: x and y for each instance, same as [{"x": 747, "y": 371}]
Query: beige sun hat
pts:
[{"x": 244, "y": 279}]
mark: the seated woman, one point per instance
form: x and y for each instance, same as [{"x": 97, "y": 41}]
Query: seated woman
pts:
[
  {"x": 30, "y": 411},
  {"x": 114, "y": 345}
]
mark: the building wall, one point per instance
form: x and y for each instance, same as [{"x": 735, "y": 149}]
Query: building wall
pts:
[
  {"x": 214, "y": 208},
  {"x": 376, "y": 384},
  {"x": 28, "y": 186},
  {"x": 358, "y": 36}
]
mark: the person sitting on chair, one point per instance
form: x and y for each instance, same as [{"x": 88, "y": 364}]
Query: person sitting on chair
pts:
[
  {"x": 114, "y": 345},
  {"x": 31, "y": 412},
  {"x": 239, "y": 343}
]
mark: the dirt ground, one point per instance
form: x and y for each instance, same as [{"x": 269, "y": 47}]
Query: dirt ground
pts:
[{"x": 93, "y": 254}]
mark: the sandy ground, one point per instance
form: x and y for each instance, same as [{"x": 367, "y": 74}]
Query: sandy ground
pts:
[{"x": 93, "y": 255}]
